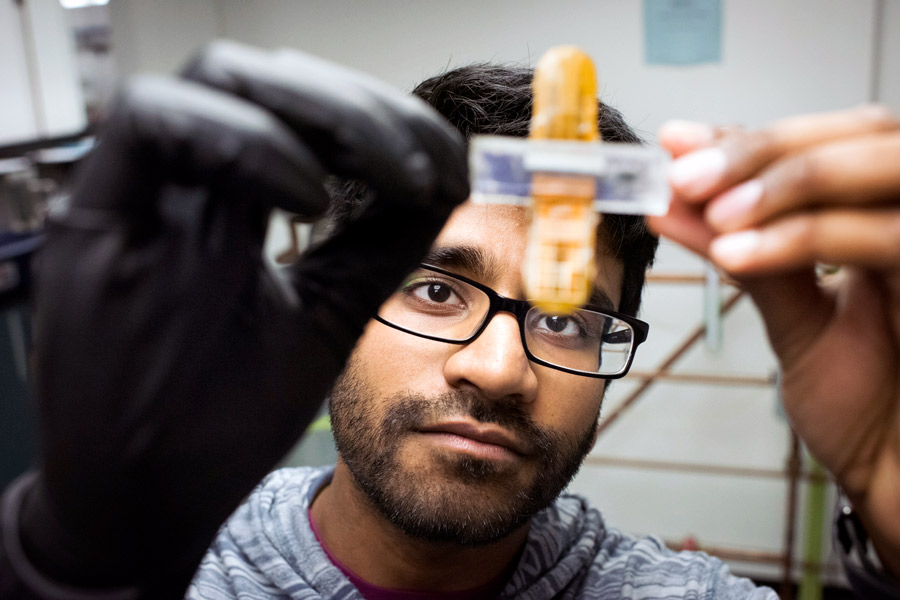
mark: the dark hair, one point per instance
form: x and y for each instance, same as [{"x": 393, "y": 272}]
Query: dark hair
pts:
[{"x": 493, "y": 99}]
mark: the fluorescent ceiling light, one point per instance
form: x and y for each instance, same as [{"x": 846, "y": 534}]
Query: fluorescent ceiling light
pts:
[{"x": 82, "y": 3}]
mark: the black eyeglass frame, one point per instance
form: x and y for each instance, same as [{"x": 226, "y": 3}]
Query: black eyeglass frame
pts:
[{"x": 520, "y": 309}]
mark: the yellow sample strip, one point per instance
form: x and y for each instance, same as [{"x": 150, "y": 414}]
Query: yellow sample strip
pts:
[{"x": 559, "y": 263}]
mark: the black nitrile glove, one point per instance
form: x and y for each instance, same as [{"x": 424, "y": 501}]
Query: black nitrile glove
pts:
[{"x": 173, "y": 368}]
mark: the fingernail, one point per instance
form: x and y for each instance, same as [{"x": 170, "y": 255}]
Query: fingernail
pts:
[
  {"x": 686, "y": 133},
  {"x": 876, "y": 112},
  {"x": 734, "y": 250},
  {"x": 696, "y": 173},
  {"x": 729, "y": 208}
]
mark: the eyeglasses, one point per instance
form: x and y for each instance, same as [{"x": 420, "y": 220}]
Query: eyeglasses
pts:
[{"x": 439, "y": 305}]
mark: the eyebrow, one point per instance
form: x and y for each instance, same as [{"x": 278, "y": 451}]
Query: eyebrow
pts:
[
  {"x": 470, "y": 260},
  {"x": 474, "y": 262},
  {"x": 600, "y": 301}
]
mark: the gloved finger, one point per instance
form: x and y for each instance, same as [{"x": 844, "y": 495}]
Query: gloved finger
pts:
[
  {"x": 343, "y": 281},
  {"x": 863, "y": 238},
  {"x": 848, "y": 172},
  {"x": 412, "y": 161},
  {"x": 356, "y": 269},
  {"x": 164, "y": 131},
  {"x": 346, "y": 279},
  {"x": 741, "y": 155},
  {"x": 359, "y": 127}
]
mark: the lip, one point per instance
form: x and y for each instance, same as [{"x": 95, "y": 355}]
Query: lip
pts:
[{"x": 479, "y": 434}]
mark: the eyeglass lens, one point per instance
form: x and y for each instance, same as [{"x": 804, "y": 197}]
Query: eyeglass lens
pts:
[{"x": 444, "y": 307}]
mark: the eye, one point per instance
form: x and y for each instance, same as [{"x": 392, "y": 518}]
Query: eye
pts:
[
  {"x": 568, "y": 326},
  {"x": 563, "y": 325},
  {"x": 434, "y": 292}
]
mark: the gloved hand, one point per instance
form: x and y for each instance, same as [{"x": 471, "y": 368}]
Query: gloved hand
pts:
[{"x": 173, "y": 369}]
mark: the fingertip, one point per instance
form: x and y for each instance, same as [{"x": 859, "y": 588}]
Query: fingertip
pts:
[
  {"x": 431, "y": 184},
  {"x": 697, "y": 174},
  {"x": 442, "y": 153},
  {"x": 659, "y": 224},
  {"x": 212, "y": 63},
  {"x": 879, "y": 114},
  {"x": 654, "y": 224},
  {"x": 734, "y": 208},
  {"x": 680, "y": 136},
  {"x": 418, "y": 174},
  {"x": 735, "y": 252}
]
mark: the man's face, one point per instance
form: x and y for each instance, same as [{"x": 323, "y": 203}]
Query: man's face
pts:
[{"x": 464, "y": 443}]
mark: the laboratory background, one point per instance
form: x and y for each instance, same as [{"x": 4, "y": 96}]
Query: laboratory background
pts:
[{"x": 693, "y": 444}]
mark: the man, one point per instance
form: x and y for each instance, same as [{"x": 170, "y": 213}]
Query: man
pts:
[{"x": 449, "y": 451}]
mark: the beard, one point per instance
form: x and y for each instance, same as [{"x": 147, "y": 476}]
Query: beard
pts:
[{"x": 457, "y": 498}]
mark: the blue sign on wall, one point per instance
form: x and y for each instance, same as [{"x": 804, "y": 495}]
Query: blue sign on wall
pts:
[{"x": 682, "y": 32}]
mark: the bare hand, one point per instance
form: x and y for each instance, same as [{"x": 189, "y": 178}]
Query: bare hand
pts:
[{"x": 768, "y": 206}]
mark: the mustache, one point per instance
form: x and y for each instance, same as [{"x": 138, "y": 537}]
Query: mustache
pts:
[{"x": 410, "y": 412}]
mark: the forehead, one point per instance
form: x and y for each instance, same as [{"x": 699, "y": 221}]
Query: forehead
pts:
[{"x": 497, "y": 234}]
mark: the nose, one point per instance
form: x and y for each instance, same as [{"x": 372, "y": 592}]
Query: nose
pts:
[{"x": 495, "y": 363}]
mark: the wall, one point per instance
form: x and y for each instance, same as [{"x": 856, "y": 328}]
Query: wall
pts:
[
  {"x": 17, "y": 119},
  {"x": 41, "y": 93},
  {"x": 887, "y": 68},
  {"x": 779, "y": 58},
  {"x": 159, "y": 36}
]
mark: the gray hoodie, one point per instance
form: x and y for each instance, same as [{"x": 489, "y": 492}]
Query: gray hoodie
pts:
[{"x": 267, "y": 550}]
